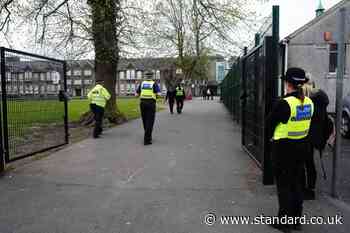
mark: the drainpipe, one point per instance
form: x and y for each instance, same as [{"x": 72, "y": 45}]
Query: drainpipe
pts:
[{"x": 285, "y": 42}]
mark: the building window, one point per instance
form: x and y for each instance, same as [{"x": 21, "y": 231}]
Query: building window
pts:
[
  {"x": 69, "y": 73},
  {"x": 132, "y": 74},
  {"x": 139, "y": 75},
  {"x": 128, "y": 74},
  {"x": 87, "y": 81},
  {"x": 20, "y": 76},
  {"x": 48, "y": 76},
  {"x": 333, "y": 59},
  {"x": 35, "y": 76},
  {"x": 28, "y": 76},
  {"x": 121, "y": 75},
  {"x": 77, "y": 82},
  {"x": 8, "y": 77},
  {"x": 77, "y": 72},
  {"x": 42, "y": 76},
  {"x": 87, "y": 72}
]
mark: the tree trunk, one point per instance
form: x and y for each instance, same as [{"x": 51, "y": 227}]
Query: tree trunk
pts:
[{"x": 104, "y": 26}]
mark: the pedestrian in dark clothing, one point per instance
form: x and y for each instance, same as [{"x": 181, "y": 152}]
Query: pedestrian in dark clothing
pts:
[
  {"x": 180, "y": 97},
  {"x": 290, "y": 122},
  {"x": 148, "y": 92},
  {"x": 204, "y": 93},
  {"x": 317, "y": 137},
  {"x": 170, "y": 97}
]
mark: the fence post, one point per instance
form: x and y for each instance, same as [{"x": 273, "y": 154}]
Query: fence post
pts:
[
  {"x": 2, "y": 159},
  {"x": 339, "y": 97},
  {"x": 65, "y": 102},
  {"x": 275, "y": 41},
  {"x": 243, "y": 100},
  {"x": 4, "y": 108}
]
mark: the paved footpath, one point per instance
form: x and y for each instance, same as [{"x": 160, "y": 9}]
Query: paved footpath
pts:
[{"x": 116, "y": 185}]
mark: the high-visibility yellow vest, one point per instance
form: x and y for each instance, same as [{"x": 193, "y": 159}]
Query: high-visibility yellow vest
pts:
[
  {"x": 299, "y": 121},
  {"x": 99, "y": 95},
  {"x": 147, "y": 90},
  {"x": 179, "y": 91}
]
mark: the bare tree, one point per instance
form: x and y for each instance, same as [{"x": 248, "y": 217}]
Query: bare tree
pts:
[
  {"x": 192, "y": 27},
  {"x": 92, "y": 22}
]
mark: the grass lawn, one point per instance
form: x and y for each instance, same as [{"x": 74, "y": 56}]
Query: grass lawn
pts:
[
  {"x": 26, "y": 115},
  {"x": 37, "y": 124},
  {"x": 23, "y": 113},
  {"x": 129, "y": 106}
]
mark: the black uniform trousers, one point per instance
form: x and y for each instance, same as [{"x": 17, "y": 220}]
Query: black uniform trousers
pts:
[
  {"x": 171, "y": 101},
  {"x": 288, "y": 158},
  {"x": 309, "y": 170},
  {"x": 148, "y": 114},
  {"x": 179, "y": 103},
  {"x": 98, "y": 112}
]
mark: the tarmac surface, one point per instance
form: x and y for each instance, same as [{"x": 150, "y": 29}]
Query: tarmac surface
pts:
[{"x": 116, "y": 185}]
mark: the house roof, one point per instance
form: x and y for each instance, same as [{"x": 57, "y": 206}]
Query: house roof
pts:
[
  {"x": 33, "y": 66},
  {"x": 80, "y": 63},
  {"x": 146, "y": 63},
  {"x": 317, "y": 19},
  {"x": 141, "y": 64}
]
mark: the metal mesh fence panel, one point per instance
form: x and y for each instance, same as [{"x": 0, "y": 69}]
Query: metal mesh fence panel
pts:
[{"x": 34, "y": 119}]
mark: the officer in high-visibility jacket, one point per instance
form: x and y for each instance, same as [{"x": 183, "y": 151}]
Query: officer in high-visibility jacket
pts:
[
  {"x": 180, "y": 97},
  {"x": 148, "y": 91},
  {"x": 98, "y": 97},
  {"x": 290, "y": 123}
]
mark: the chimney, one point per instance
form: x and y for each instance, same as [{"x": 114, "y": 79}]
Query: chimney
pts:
[{"x": 320, "y": 9}]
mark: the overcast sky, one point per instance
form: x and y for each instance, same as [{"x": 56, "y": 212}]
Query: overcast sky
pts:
[{"x": 296, "y": 13}]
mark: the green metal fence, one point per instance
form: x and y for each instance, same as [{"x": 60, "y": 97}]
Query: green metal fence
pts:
[{"x": 231, "y": 90}]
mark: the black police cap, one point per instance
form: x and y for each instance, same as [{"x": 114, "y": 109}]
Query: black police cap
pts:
[{"x": 296, "y": 76}]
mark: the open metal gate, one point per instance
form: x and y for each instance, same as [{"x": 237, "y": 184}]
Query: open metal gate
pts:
[{"x": 33, "y": 117}]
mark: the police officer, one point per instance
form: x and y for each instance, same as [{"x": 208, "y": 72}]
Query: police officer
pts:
[
  {"x": 98, "y": 97},
  {"x": 180, "y": 97},
  {"x": 290, "y": 123},
  {"x": 148, "y": 92}
]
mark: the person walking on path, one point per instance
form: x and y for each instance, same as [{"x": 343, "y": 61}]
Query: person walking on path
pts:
[
  {"x": 208, "y": 93},
  {"x": 180, "y": 97},
  {"x": 212, "y": 94},
  {"x": 148, "y": 92},
  {"x": 290, "y": 124},
  {"x": 318, "y": 136},
  {"x": 98, "y": 98},
  {"x": 170, "y": 97},
  {"x": 204, "y": 93}
]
